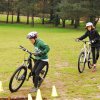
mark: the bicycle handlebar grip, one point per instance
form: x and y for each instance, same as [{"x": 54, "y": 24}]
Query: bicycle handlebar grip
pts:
[
  {"x": 24, "y": 49},
  {"x": 21, "y": 46}
]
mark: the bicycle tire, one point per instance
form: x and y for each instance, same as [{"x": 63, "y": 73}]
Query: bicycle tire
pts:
[
  {"x": 47, "y": 67},
  {"x": 79, "y": 66},
  {"x": 13, "y": 76},
  {"x": 40, "y": 81}
]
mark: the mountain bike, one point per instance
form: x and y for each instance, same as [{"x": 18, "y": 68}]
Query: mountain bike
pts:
[
  {"x": 21, "y": 73},
  {"x": 85, "y": 57}
]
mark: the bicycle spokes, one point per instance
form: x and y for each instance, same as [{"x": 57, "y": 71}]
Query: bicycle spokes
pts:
[
  {"x": 18, "y": 79},
  {"x": 42, "y": 73},
  {"x": 81, "y": 62}
]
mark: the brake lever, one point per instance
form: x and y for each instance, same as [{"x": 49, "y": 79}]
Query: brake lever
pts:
[{"x": 21, "y": 47}]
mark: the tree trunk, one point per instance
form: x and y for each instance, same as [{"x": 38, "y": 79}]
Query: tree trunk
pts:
[
  {"x": 63, "y": 23},
  {"x": 7, "y": 17},
  {"x": 72, "y": 22},
  {"x": 57, "y": 20},
  {"x": 27, "y": 17},
  {"x": 51, "y": 11},
  {"x": 12, "y": 17},
  {"x": 18, "y": 16},
  {"x": 32, "y": 20},
  {"x": 77, "y": 22},
  {"x": 51, "y": 15},
  {"x": 43, "y": 20},
  {"x": 7, "y": 11}
]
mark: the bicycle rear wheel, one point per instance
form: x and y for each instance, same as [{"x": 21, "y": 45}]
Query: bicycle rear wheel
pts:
[
  {"x": 81, "y": 62},
  {"x": 17, "y": 79},
  {"x": 42, "y": 74},
  {"x": 90, "y": 61}
]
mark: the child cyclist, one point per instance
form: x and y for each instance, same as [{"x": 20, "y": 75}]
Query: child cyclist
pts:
[
  {"x": 41, "y": 57},
  {"x": 95, "y": 42}
]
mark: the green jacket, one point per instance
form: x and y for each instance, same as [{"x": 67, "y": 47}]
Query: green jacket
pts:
[{"x": 41, "y": 47}]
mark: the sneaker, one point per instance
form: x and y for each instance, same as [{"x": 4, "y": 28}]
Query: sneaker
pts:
[
  {"x": 94, "y": 69},
  {"x": 33, "y": 90}
]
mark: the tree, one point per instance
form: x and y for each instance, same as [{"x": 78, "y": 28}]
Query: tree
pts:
[
  {"x": 52, "y": 9},
  {"x": 54, "y": 18},
  {"x": 2, "y": 5},
  {"x": 94, "y": 11},
  {"x": 32, "y": 10},
  {"x": 72, "y": 10},
  {"x": 8, "y": 10},
  {"x": 12, "y": 8},
  {"x": 19, "y": 6}
]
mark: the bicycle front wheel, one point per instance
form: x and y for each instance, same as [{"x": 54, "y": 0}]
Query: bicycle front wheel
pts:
[
  {"x": 81, "y": 62},
  {"x": 17, "y": 79}
]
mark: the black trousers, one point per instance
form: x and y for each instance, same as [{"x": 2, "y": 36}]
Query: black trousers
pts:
[
  {"x": 95, "y": 54},
  {"x": 38, "y": 66}
]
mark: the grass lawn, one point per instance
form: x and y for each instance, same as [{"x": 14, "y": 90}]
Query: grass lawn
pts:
[{"x": 63, "y": 56}]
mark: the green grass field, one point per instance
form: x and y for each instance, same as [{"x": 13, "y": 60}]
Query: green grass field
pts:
[{"x": 63, "y": 56}]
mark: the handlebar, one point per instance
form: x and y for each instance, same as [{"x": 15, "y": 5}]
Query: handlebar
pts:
[
  {"x": 24, "y": 49},
  {"x": 84, "y": 41}
]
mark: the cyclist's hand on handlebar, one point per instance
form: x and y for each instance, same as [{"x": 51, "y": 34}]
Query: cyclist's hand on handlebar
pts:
[
  {"x": 37, "y": 54},
  {"x": 21, "y": 47},
  {"x": 93, "y": 41},
  {"x": 77, "y": 40}
]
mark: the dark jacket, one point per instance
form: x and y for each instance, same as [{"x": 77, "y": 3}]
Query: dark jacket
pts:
[{"x": 93, "y": 36}]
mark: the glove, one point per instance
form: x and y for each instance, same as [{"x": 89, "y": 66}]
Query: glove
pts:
[
  {"x": 77, "y": 40},
  {"x": 38, "y": 54},
  {"x": 93, "y": 41}
]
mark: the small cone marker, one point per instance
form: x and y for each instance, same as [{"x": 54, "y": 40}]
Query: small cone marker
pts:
[
  {"x": 1, "y": 87},
  {"x": 29, "y": 97},
  {"x": 38, "y": 97},
  {"x": 54, "y": 92}
]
